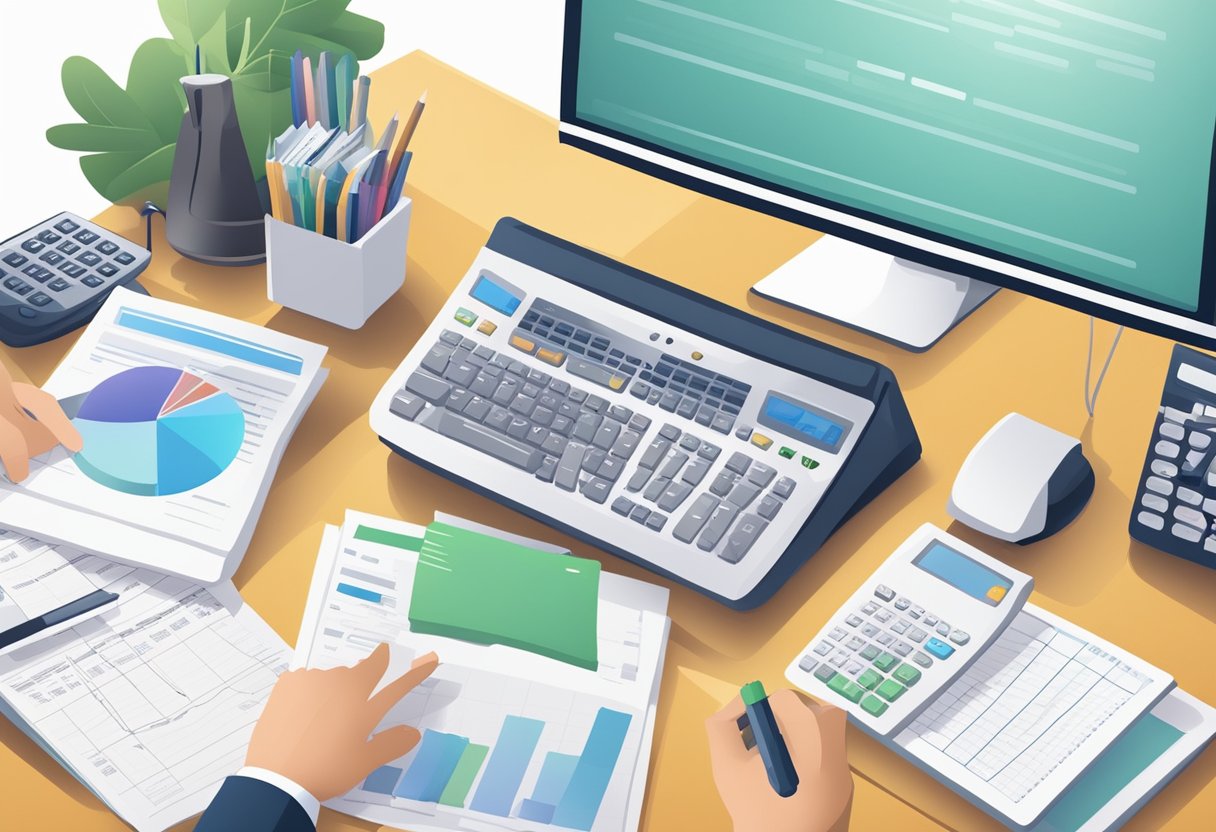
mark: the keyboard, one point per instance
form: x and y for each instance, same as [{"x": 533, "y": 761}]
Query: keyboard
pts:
[
  {"x": 1175, "y": 508},
  {"x": 659, "y": 425},
  {"x": 56, "y": 274}
]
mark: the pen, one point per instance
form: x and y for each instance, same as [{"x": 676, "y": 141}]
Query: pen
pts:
[
  {"x": 773, "y": 751},
  {"x": 90, "y": 602}
]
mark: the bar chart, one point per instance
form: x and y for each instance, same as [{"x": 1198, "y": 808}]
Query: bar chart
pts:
[{"x": 567, "y": 793}]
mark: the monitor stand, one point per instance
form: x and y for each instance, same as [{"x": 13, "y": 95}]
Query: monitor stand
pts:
[{"x": 903, "y": 302}]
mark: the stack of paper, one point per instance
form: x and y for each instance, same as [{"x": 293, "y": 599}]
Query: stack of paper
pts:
[
  {"x": 152, "y": 705},
  {"x": 164, "y": 480},
  {"x": 511, "y": 740},
  {"x": 478, "y": 587}
]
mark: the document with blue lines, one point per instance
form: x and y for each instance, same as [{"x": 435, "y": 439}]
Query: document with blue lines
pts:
[
  {"x": 511, "y": 740},
  {"x": 167, "y": 479}
]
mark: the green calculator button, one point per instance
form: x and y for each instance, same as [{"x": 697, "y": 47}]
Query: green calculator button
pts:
[
  {"x": 907, "y": 674},
  {"x": 787, "y": 453},
  {"x": 885, "y": 662},
  {"x": 846, "y": 688},
  {"x": 869, "y": 679},
  {"x": 807, "y": 462},
  {"x": 890, "y": 690},
  {"x": 873, "y": 705},
  {"x": 466, "y": 317},
  {"x": 870, "y": 652}
]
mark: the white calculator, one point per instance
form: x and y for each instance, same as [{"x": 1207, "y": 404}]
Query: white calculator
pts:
[{"x": 910, "y": 630}]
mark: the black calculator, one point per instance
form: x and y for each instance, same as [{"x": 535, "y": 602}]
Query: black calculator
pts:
[
  {"x": 1175, "y": 509},
  {"x": 56, "y": 274}
]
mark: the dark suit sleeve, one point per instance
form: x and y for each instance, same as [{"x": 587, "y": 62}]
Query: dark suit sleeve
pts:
[{"x": 244, "y": 804}]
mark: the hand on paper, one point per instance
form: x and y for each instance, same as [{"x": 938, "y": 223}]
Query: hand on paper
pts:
[
  {"x": 317, "y": 727},
  {"x": 816, "y": 739},
  {"x": 24, "y": 436}
]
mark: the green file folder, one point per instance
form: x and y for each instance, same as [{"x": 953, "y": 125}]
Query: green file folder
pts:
[{"x": 479, "y": 588}]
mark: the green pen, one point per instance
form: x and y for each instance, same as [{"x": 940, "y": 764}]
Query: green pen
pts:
[{"x": 782, "y": 775}]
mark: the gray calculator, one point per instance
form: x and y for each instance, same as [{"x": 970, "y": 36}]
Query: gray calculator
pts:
[{"x": 55, "y": 275}]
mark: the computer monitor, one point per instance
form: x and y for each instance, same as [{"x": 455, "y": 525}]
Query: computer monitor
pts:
[{"x": 1063, "y": 148}]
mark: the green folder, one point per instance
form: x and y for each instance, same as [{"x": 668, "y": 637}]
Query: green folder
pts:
[{"x": 482, "y": 589}]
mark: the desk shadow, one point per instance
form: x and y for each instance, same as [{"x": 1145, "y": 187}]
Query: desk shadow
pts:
[
  {"x": 380, "y": 343},
  {"x": 1182, "y": 580},
  {"x": 239, "y": 290},
  {"x": 913, "y": 369},
  {"x": 1160, "y": 812}
]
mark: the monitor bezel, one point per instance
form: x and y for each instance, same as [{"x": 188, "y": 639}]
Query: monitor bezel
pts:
[{"x": 885, "y": 234}]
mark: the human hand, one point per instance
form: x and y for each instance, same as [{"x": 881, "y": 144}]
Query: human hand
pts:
[
  {"x": 316, "y": 728},
  {"x": 23, "y": 437},
  {"x": 815, "y": 736}
]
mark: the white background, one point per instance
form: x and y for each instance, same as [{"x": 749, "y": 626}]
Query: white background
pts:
[{"x": 513, "y": 45}]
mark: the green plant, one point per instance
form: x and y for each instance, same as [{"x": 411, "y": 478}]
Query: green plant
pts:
[{"x": 130, "y": 133}]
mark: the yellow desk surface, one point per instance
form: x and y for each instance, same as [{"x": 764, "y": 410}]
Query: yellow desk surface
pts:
[{"x": 480, "y": 156}]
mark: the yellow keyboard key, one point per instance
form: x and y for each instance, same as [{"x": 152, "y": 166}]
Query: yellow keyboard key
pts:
[
  {"x": 761, "y": 441},
  {"x": 522, "y": 343},
  {"x": 549, "y": 356},
  {"x": 487, "y": 327}
]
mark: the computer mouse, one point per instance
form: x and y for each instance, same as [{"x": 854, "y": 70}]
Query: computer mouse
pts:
[{"x": 1022, "y": 482}]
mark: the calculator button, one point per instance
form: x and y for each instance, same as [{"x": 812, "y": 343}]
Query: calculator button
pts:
[
  {"x": 906, "y": 675},
  {"x": 853, "y": 620},
  {"x": 838, "y": 659},
  {"x": 939, "y": 649},
  {"x": 808, "y": 663},
  {"x": 846, "y": 687},
  {"x": 48, "y": 237},
  {"x": 1172, "y": 431},
  {"x": 107, "y": 270},
  {"x": 885, "y": 661},
  {"x": 26, "y": 312},
  {"x": 837, "y": 634},
  {"x": 890, "y": 690},
  {"x": 902, "y": 648},
  {"x": 1153, "y": 521},
  {"x": 89, "y": 258},
  {"x": 917, "y": 634},
  {"x": 125, "y": 258},
  {"x": 1189, "y": 497},
  {"x": 943, "y": 629},
  {"x": 66, "y": 226},
  {"x": 92, "y": 281},
  {"x": 869, "y": 680},
  {"x": 884, "y": 639},
  {"x": 40, "y": 299},
  {"x": 899, "y": 627},
  {"x": 1155, "y": 502},
  {"x": 884, "y": 592},
  {"x": 1169, "y": 450},
  {"x": 36, "y": 272},
  {"x": 13, "y": 282},
  {"x": 823, "y": 648},
  {"x": 902, "y": 603},
  {"x": 960, "y": 637},
  {"x": 869, "y": 631},
  {"x": 921, "y": 659},
  {"x": 870, "y": 608},
  {"x": 1164, "y": 469},
  {"x": 916, "y": 612},
  {"x": 51, "y": 257},
  {"x": 1199, "y": 440},
  {"x": 1191, "y": 517},
  {"x": 1209, "y": 544},
  {"x": 870, "y": 653},
  {"x": 852, "y": 669},
  {"x": 67, "y": 247},
  {"x": 33, "y": 246},
  {"x": 824, "y": 672},
  {"x": 930, "y": 620},
  {"x": 1185, "y": 532},
  {"x": 107, "y": 248},
  {"x": 873, "y": 705},
  {"x": 87, "y": 237},
  {"x": 14, "y": 259},
  {"x": 72, "y": 269},
  {"x": 58, "y": 284},
  {"x": 883, "y": 616},
  {"x": 856, "y": 643}
]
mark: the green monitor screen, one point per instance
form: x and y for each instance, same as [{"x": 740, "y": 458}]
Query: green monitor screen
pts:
[{"x": 1062, "y": 147}]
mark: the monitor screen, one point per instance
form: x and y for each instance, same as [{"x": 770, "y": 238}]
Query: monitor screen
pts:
[{"x": 1073, "y": 137}]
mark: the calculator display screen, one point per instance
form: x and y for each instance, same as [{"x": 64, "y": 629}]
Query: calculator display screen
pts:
[
  {"x": 803, "y": 421},
  {"x": 497, "y": 294},
  {"x": 963, "y": 573}
]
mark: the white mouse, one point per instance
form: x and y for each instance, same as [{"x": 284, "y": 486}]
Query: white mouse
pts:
[{"x": 1022, "y": 482}]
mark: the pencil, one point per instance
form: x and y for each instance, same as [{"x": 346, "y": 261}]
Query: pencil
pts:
[
  {"x": 412, "y": 124},
  {"x": 310, "y": 101}
]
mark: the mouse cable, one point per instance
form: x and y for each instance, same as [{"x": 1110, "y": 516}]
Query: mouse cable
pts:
[
  {"x": 1091, "y": 400},
  {"x": 151, "y": 208}
]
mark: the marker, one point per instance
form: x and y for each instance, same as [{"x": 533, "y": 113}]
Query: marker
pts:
[{"x": 773, "y": 751}]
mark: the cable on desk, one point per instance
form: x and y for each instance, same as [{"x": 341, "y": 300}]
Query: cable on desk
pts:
[
  {"x": 146, "y": 212},
  {"x": 1091, "y": 400}
]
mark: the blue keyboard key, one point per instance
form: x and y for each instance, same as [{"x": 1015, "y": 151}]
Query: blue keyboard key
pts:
[{"x": 939, "y": 648}]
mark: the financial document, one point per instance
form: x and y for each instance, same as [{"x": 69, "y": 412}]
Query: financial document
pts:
[
  {"x": 1033, "y": 713},
  {"x": 152, "y": 708},
  {"x": 511, "y": 740},
  {"x": 129, "y": 502}
]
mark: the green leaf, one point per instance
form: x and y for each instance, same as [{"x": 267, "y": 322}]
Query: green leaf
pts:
[
  {"x": 360, "y": 35},
  {"x": 153, "y": 82},
  {"x": 97, "y": 98},
  {"x": 93, "y": 137}
]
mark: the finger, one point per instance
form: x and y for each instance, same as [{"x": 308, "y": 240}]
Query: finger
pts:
[
  {"x": 14, "y": 453},
  {"x": 725, "y": 739},
  {"x": 49, "y": 414},
  {"x": 832, "y": 723},
  {"x": 389, "y": 744},
  {"x": 396, "y": 690},
  {"x": 372, "y": 666}
]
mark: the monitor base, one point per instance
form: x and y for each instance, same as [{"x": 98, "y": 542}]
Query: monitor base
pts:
[{"x": 897, "y": 300}]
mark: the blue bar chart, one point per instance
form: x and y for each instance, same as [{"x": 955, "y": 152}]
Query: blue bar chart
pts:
[{"x": 568, "y": 792}]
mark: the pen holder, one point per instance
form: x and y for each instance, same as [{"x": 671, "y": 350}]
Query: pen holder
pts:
[{"x": 343, "y": 283}]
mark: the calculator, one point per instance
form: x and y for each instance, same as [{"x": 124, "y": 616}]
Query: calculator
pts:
[
  {"x": 56, "y": 274},
  {"x": 909, "y": 631},
  {"x": 1175, "y": 508}
]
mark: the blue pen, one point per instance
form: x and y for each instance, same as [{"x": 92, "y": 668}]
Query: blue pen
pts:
[{"x": 773, "y": 751}]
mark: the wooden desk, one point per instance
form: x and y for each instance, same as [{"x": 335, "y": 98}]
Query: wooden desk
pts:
[{"x": 480, "y": 156}]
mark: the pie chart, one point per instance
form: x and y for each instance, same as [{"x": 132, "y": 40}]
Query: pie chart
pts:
[{"x": 153, "y": 431}]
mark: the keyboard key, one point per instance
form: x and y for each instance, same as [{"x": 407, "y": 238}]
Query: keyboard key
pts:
[
  {"x": 742, "y": 494},
  {"x": 938, "y": 649},
  {"x": 656, "y": 521},
  {"x": 761, "y": 441},
  {"x": 671, "y": 468},
  {"x": 722, "y": 484},
  {"x": 1153, "y": 521},
  {"x": 639, "y": 514},
  {"x": 431, "y": 389},
  {"x": 673, "y": 495},
  {"x": 722, "y": 423},
  {"x": 709, "y": 451},
  {"x": 611, "y": 468},
  {"x": 593, "y": 459},
  {"x": 690, "y": 443},
  {"x": 743, "y": 537},
  {"x": 482, "y": 438},
  {"x": 738, "y": 462},
  {"x": 1172, "y": 431},
  {"x": 596, "y": 490},
  {"x": 92, "y": 281},
  {"x": 639, "y": 423},
  {"x": 519, "y": 427},
  {"x": 626, "y": 444},
  {"x": 406, "y": 405},
  {"x": 622, "y": 506},
  {"x": 654, "y": 454},
  {"x": 687, "y": 408},
  {"x": 569, "y": 465},
  {"x": 883, "y": 616},
  {"x": 769, "y": 506},
  {"x": 606, "y": 435},
  {"x": 694, "y": 519},
  {"x": 1169, "y": 450},
  {"x": 761, "y": 474},
  {"x": 638, "y": 480},
  {"x": 696, "y": 472}
]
